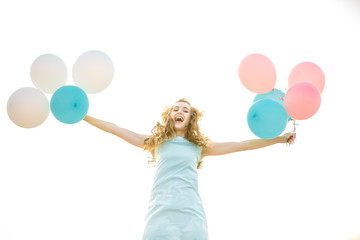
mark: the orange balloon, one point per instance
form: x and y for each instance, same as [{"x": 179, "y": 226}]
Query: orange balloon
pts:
[
  {"x": 257, "y": 73},
  {"x": 307, "y": 72}
]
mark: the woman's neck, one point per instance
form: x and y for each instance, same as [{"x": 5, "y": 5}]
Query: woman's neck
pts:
[{"x": 180, "y": 134}]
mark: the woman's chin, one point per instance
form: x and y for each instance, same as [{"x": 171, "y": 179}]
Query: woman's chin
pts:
[{"x": 179, "y": 127}]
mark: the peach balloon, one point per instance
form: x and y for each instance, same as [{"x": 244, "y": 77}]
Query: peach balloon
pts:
[
  {"x": 302, "y": 100},
  {"x": 28, "y": 107},
  {"x": 48, "y": 73},
  {"x": 257, "y": 73},
  {"x": 93, "y": 71},
  {"x": 307, "y": 72}
]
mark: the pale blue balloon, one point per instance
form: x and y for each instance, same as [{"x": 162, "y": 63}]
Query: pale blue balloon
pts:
[
  {"x": 69, "y": 104},
  {"x": 276, "y": 95},
  {"x": 267, "y": 118}
]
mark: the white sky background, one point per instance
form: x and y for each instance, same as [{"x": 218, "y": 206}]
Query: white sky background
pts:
[{"x": 61, "y": 181}]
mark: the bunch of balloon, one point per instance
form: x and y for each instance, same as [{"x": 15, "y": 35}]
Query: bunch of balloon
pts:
[
  {"x": 266, "y": 117},
  {"x": 29, "y": 107},
  {"x": 272, "y": 109}
]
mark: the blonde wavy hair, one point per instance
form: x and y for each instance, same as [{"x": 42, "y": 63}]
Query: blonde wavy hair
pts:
[{"x": 166, "y": 130}]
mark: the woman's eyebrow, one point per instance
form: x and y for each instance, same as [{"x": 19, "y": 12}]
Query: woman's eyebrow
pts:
[{"x": 177, "y": 107}]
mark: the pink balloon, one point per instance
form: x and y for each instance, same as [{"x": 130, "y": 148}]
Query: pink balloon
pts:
[
  {"x": 257, "y": 73},
  {"x": 307, "y": 72},
  {"x": 302, "y": 100}
]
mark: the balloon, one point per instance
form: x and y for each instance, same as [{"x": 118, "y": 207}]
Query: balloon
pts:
[
  {"x": 48, "y": 72},
  {"x": 257, "y": 73},
  {"x": 28, "y": 107},
  {"x": 307, "y": 72},
  {"x": 302, "y": 100},
  {"x": 69, "y": 104},
  {"x": 93, "y": 71},
  {"x": 275, "y": 95},
  {"x": 267, "y": 119}
]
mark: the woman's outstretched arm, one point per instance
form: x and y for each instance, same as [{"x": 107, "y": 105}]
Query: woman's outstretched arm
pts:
[
  {"x": 229, "y": 147},
  {"x": 127, "y": 135}
]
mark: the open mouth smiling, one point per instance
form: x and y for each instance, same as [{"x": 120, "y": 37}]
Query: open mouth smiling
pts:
[{"x": 179, "y": 119}]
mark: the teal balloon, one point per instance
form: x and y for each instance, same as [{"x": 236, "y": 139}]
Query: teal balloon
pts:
[
  {"x": 69, "y": 104},
  {"x": 275, "y": 95},
  {"x": 267, "y": 118}
]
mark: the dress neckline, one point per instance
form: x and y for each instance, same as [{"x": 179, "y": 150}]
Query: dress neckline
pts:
[{"x": 181, "y": 138}]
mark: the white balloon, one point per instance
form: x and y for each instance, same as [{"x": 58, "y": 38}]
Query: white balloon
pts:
[
  {"x": 93, "y": 71},
  {"x": 48, "y": 73},
  {"x": 28, "y": 107}
]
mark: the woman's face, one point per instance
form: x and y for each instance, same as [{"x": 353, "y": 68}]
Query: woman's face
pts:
[{"x": 181, "y": 114}]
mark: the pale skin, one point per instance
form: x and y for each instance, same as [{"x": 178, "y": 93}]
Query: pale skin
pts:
[{"x": 182, "y": 110}]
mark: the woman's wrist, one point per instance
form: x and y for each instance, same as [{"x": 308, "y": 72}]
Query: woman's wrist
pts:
[{"x": 281, "y": 139}]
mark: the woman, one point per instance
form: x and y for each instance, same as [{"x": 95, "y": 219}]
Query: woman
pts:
[{"x": 178, "y": 147}]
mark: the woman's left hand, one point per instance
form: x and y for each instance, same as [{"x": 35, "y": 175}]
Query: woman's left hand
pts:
[{"x": 288, "y": 138}]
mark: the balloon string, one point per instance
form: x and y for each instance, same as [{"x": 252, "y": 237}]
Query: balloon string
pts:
[
  {"x": 294, "y": 131},
  {"x": 280, "y": 98},
  {"x": 293, "y": 120}
]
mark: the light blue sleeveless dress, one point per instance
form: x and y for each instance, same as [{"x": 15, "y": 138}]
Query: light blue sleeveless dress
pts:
[{"x": 175, "y": 208}]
